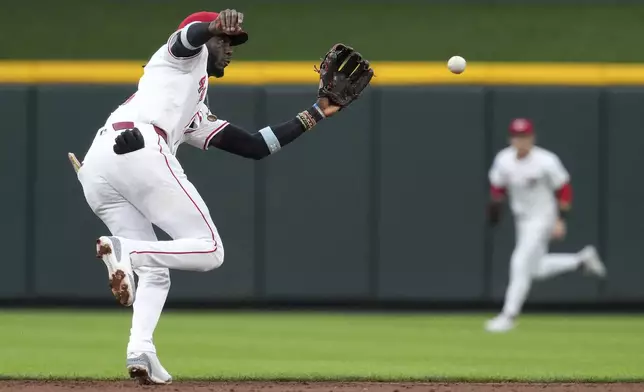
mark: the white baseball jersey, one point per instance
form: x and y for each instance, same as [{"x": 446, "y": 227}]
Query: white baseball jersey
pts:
[
  {"x": 531, "y": 182},
  {"x": 171, "y": 96}
]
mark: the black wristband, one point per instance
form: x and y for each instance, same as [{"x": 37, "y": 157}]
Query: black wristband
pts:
[
  {"x": 563, "y": 214},
  {"x": 311, "y": 116}
]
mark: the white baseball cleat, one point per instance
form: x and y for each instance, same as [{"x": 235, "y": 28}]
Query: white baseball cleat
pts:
[
  {"x": 499, "y": 324},
  {"x": 147, "y": 369},
  {"x": 591, "y": 262},
  {"x": 119, "y": 269}
]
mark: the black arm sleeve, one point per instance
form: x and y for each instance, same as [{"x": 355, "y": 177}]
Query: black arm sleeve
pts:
[
  {"x": 235, "y": 140},
  {"x": 196, "y": 35}
]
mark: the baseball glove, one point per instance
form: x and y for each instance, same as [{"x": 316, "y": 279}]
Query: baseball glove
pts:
[
  {"x": 494, "y": 213},
  {"x": 343, "y": 75}
]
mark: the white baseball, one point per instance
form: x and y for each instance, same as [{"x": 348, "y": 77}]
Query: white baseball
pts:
[{"x": 456, "y": 64}]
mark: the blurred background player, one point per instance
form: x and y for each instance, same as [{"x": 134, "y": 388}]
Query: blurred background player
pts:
[{"x": 540, "y": 196}]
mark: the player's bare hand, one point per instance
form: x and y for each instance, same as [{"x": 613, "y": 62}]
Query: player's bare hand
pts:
[
  {"x": 327, "y": 107},
  {"x": 559, "y": 231},
  {"x": 228, "y": 22}
]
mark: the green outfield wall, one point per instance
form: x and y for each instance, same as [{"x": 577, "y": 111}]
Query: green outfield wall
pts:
[{"x": 394, "y": 212}]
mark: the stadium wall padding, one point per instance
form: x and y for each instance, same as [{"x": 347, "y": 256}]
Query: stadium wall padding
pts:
[{"x": 386, "y": 202}]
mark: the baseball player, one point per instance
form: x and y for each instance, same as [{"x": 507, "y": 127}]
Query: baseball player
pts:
[
  {"x": 540, "y": 196},
  {"x": 131, "y": 178}
]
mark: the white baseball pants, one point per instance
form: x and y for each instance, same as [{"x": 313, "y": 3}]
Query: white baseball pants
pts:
[
  {"x": 130, "y": 193},
  {"x": 530, "y": 261}
]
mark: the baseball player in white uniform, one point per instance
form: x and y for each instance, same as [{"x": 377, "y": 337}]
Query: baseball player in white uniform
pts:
[
  {"x": 540, "y": 196},
  {"x": 131, "y": 178}
]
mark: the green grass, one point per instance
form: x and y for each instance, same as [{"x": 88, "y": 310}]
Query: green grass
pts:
[{"x": 286, "y": 346}]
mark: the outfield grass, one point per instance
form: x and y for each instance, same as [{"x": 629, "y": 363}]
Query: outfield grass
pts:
[{"x": 220, "y": 345}]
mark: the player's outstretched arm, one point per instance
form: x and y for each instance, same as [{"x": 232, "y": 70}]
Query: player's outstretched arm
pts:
[
  {"x": 344, "y": 74},
  {"x": 271, "y": 139}
]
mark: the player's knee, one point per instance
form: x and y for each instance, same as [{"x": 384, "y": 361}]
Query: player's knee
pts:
[
  {"x": 214, "y": 259},
  {"x": 212, "y": 262},
  {"x": 520, "y": 272}
]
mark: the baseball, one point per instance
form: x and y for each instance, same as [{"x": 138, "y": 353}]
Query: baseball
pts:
[{"x": 456, "y": 64}]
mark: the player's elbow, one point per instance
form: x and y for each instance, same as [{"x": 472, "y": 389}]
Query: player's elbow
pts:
[{"x": 256, "y": 148}]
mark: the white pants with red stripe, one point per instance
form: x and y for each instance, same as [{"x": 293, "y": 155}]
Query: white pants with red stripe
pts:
[{"x": 130, "y": 193}]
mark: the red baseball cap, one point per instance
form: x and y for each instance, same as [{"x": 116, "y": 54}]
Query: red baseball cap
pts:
[
  {"x": 521, "y": 127},
  {"x": 205, "y": 16}
]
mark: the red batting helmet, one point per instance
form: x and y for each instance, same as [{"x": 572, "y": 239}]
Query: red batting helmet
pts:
[
  {"x": 205, "y": 16},
  {"x": 520, "y": 127}
]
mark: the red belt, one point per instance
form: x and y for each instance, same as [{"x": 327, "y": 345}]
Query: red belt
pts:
[{"x": 119, "y": 126}]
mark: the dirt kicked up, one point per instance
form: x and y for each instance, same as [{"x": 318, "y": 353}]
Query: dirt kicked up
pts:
[{"x": 122, "y": 386}]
